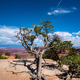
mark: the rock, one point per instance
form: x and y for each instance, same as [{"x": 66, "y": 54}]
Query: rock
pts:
[
  {"x": 3, "y": 71},
  {"x": 4, "y": 64},
  {"x": 65, "y": 67},
  {"x": 51, "y": 72}
]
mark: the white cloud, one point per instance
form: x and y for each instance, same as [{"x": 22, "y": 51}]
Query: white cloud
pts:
[
  {"x": 58, "y": 11},
  {"x": 78, "y": 33},
  {"x": 49, "y": 13},
  {"x": 74, "y": 8},
  {"x": 68, "y": 36},
  {"x": 7, "y": 35},
  {"x": 64, "y": 34},
  {"x": 38, "y": 41},
  {"x": 7, "y": 31}
]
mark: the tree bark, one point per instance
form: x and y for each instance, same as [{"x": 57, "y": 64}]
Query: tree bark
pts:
[
  {"x": 39, "y": 61},
  {"x": 69, "y": 75}
]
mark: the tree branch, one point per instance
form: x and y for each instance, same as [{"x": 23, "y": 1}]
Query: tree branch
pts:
[{"x": 46, "y": 49}]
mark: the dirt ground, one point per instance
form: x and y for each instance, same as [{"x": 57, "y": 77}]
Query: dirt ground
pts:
[{"x": 17, "y": 69}]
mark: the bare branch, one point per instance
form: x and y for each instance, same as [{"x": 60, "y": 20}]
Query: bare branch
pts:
[
  {"x": 39, "y": 50},
  {"x": 46, "y": 49},
  {"x": 34, "y": 52},
  {"x": 33, "y": 75}
]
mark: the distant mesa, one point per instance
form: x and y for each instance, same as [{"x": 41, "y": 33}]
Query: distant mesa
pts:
[{"x": 20, "y": 51}]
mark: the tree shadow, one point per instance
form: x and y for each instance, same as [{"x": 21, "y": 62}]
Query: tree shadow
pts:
[
  {"x": 53, "y": 66},
  {"x": 48, "y": 66},
  {"x": 64, "y": 75},
  {"x": 16, "y": 62},
  {"x": 28, "y": 66}
]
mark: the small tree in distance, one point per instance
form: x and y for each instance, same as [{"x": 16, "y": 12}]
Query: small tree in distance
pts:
[
  {"x": 17, "y": 56},
  {"x": 2, "y": 57},
  {"x": 7, "y": 54},
  {"x": 27, "y": 37}
]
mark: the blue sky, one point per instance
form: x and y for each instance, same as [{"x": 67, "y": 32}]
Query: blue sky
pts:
[{"x": 63, "y": 14}]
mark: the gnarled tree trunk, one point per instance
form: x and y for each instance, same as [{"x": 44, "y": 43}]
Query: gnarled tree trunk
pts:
[
  {"x": 39, "y": 61},
  {"x": 69, "y": 75}
]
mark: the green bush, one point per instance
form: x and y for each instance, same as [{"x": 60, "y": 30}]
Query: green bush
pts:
[
  {"x": 73, "y": 60},
  {"x": 7, "y": 54},
  {"x": 2, "y": 57},
  {"x": 17, "y": 56},
  {"x": 50, "y": 54}
]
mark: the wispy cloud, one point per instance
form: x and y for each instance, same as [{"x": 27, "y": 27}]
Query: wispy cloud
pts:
[
  {"x": 70, "y": 37},
  {"x": 7, "y": 31},
  {"x": 59, "y": 3},
  {"x": 7, "y": 35},
  {"x": 78, "y": 33},
  {"x": 63, "y": 36},
  {"x": 58, "y": 11},
  {"x": 74, "y": 8}
]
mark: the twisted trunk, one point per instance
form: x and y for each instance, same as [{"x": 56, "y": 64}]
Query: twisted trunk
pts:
[
  {"x": 39, "y": 61},
  {"x": 69, "y": 75}
]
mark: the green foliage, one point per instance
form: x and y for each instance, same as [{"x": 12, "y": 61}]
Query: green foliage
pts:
[
  {"x": 73, "y": 60},
  {"x": 55, "y": 41},
  {"x": 17, "y": 56},
  {"x": 65, "y": 45},
  {"x": 50, "y": 54},
  {"x": 27, "y": 36},
  {"x": 37, "y": 29},
  {"x": 30, "y": 38},
  {"x": 2, "y": 57},
  {"x": 47, "y": 27},
  {"x": 73, "y": 52},
  {"x": 43, "y": 30},
  {"x": 60, "y": 63},
  {"x": 58, "y": 45},
  {"x": 27, "y": 30},
  {"x": 7, "y": 54},
  {"x": 43, "y": 34}
]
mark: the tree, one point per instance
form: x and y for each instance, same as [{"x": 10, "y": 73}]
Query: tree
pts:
[
  {"x": 2, "y": 57},
  {"x": 27, "y": 37},
  {"x": 73, "y": 61},
  {"x": 52, "y": 53},
  {"x": 17, "y": 56},
  {"x": 65, "y": 45},
  {"x": 7, "y": 54},
  {"x": 59, "y": 47}
]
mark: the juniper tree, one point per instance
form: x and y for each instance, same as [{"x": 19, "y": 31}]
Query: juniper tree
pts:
[
  {"x": 65, "y": 45},
  {"x": 59, "y": 47},
  {"x": 27, "y": 37},
  {"x": 73, "y": 61}
]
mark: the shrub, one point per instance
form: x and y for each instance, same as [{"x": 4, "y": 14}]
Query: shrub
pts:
[
  {"x": 7, "y": 54},
  {"x": 73, "y": 60},
  {"x": 50, "y": 54},
  {"x": 17, "y": 56},
  {"x": 2, "y": 57}
]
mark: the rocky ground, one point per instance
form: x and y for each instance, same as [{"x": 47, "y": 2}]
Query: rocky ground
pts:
[{"x": 18, "y": 69}]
